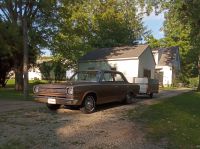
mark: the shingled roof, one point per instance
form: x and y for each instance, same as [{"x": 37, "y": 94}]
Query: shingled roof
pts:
[
  {"x": 115, "y": 53},
  {"x": 166, "y": 55}
]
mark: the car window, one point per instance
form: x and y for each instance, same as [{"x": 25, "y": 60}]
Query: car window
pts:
[
  {"x": 118, "y": 77},
  {"x": 90, "y": 76},
  {"x": 107, "y": 77}
]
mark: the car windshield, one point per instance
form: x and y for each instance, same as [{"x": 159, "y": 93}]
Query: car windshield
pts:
[{"x": 86, "y": 76}]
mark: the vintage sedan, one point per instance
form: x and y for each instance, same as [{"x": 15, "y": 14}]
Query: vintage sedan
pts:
[{"x": 86, "y": 89}]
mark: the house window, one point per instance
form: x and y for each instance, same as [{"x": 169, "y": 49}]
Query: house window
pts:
[{"x": 147, "y": 73}]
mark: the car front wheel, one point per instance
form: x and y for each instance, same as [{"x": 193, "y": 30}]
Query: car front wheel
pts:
[{"x": 88, "y": 104}]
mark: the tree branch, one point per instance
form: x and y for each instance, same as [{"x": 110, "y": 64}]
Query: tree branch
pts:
[
  {"x": 20, "y": 9},
  {"x": 5, "y": 14}
]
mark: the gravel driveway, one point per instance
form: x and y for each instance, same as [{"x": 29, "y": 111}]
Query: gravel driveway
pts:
[{"x": 35, "y": 127}]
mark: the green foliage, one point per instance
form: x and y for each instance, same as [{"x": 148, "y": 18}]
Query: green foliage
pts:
[
  {"x": 193, "y": 82},
  {"x": 53, "y": 70},
  {"x": 59, "y": 70},
  {"x": 6, "y": 61},
  {"x": 181, "y": 28},
  {"x": 86, "y": 25},
  {"x": 13, "y": 15},
  {"x": 45, "y": 69},
  {"x": 176, "y": 120}
]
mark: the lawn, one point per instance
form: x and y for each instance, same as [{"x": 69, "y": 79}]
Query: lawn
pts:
[
  {"x": 9, "y": 93},
  {"x": 176, "y": 120}
]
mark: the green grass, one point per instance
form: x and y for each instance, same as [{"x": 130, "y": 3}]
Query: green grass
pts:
[
  {"x": 13, "y": 144},
  {"x": 9, "y": 93},
  {"x": 176, "y": 120}
]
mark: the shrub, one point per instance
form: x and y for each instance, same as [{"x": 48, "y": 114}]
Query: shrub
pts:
[{"x": 193, "y": 82}]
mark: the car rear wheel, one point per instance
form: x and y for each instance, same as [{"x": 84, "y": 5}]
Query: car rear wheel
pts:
[
  {"x": 53, "y": 106},
  {"x": 89, "y": 104},
  {"x": 130, "y": 98}
]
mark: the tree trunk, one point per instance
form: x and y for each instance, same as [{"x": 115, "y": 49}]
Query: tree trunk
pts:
[
  {"x": 25, "y": 59},
  {"x": 198, "y": 88},
  {"x": 18, "y": 78}
]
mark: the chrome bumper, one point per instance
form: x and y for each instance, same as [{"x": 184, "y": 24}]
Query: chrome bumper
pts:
[{"x": 58, "y": 100}]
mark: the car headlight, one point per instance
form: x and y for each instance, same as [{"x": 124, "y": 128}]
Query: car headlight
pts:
[
  {"x": 35, "y": 89},
  {"x": 70, "y": 90}
]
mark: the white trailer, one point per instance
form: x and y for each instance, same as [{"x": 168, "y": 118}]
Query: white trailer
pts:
[{"x": 147, "y": 86}]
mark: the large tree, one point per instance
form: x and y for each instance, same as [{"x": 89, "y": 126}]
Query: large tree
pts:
[
  {"x": 87, "y": 24},
  {"x": 6, "y": 61},
  {"x": 181, "y": 28},
  {"x": 28, "y": 20}
]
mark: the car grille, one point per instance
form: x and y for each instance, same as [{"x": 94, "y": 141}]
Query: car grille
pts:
[{"x": 52, "y": 92}]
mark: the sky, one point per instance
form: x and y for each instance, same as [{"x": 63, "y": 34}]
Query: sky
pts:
[{"x": 152, "y": 22}]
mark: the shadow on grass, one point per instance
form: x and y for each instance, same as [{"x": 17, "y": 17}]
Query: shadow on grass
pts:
[{"x": 177, "y": 119}]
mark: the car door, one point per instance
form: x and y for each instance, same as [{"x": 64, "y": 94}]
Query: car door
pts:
[
  {"x": 108, "y": 88},
  {"x": 119, "y": 86}
]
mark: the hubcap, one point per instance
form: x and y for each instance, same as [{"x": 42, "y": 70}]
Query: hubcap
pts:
[
  {"x": 89, "y": 103},
  {"x": 129, "y": 97}
]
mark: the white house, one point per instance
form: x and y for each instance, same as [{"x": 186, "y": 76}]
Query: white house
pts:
[
  {"x": 167, "y": 64},
  {"x": 34, "y": 74},
  {"x": 132, "y": 61}
]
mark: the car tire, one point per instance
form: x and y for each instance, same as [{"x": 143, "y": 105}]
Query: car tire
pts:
[
  {"x": 53, "y": 107},
  {"x": 89, "y": 104},
  {"x": 130, "y": 98},
  {"x": 151, "y": 95}
]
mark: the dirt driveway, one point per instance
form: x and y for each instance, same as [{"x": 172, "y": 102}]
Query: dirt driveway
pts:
[{"x": 34, "y": 126}]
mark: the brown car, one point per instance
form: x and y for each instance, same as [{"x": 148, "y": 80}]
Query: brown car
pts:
[{"x": 87, "y": 89}]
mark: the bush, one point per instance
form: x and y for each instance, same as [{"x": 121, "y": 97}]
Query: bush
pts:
[
  {"x": 193, "y": 82},
  {"x": 53, "y": 70}
]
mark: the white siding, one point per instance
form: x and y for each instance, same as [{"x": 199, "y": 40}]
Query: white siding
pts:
[
  {"x": 146, "y": 61},
  {"x": 167, "y": 75},
  {"x": 69, "y": 73},
  {"x": 34, "y": 73},
  {"x": 128, "y": 67},
  {"x": 155, "y": 54}
]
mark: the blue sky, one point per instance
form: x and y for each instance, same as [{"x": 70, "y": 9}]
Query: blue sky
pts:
[{"x": 154, "y": 23}]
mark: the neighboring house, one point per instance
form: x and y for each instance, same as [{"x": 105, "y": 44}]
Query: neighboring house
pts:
[
  {"x": 34, "y": 72},
  {"x": 167, "y": 64},
  {"x": 69, "y": 73},
  {"x": 132, "y": 61}
]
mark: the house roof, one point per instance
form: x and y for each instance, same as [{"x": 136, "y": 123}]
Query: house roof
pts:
[
  {"x": 115, "y": 53},
  {"x": 167, "y": 55}
]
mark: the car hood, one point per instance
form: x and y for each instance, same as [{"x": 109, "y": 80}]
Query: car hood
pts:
[{"x": 64, "y": 85}]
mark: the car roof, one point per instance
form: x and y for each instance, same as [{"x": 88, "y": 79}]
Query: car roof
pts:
[{"x": 99, "y": 70}]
